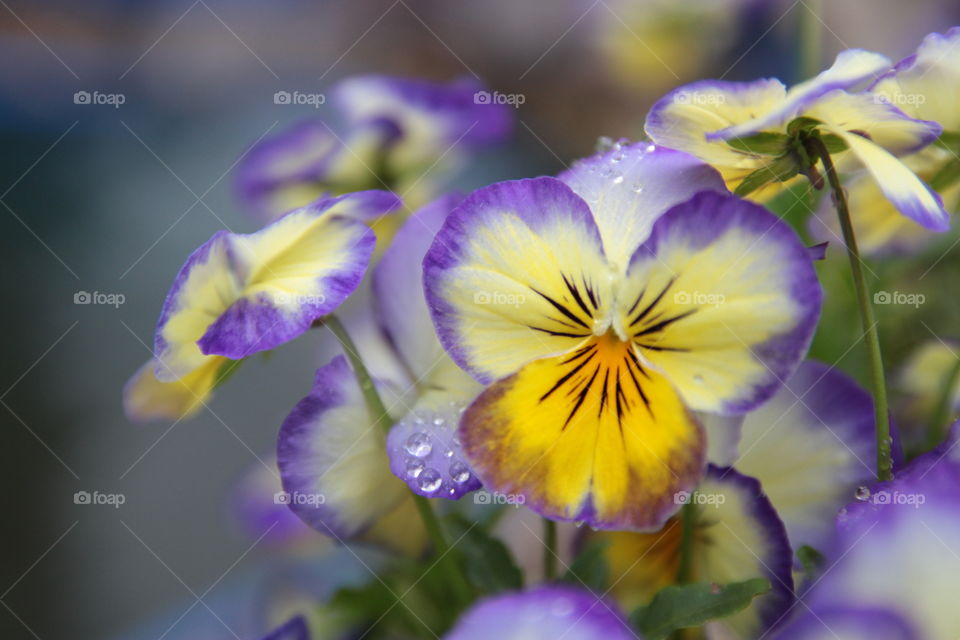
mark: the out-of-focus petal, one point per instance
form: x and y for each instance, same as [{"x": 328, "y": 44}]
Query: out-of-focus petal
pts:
[
  {"x": 545, "y": 613},
  {"x": 850, "y": 68},
  {"x": 147, "y": 398},
  {"x": 723, "y": 299},
  {"x": 925, "y": 84},
  {"x": 908, "y": 193},
  {"x": 239, "y": 294},
  {"x": 594, "y": 436},
  {"x": 811, "y": 445},
  {"x": 516, "y": 273},
  {"x": 332, "y": 459},
  {"x": 295, "y": 629},
  {"x": 737, "y": 536},
  {"x": 399, "y": 301},
  {"x": 629, "y": 186}
]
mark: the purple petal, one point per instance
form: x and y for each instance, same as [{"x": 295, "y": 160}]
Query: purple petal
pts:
[
  {"x": 545, "y": 613},
  {"x": 294, "y": 629},
  {"x": 426, "y": 454}
]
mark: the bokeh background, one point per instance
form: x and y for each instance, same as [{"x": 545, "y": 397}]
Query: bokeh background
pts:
[{"x": 111, "y": 198}]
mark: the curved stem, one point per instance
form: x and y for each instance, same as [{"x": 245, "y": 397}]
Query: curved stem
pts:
[
  {"x": 867, "y": 319},
  {"x": 550, "y": 549},
  {"x": 940, "y": 419},
  {"x": 378, "y": 411}
]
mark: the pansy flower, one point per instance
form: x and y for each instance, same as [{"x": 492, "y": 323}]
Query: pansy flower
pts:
[
  {"x": 893, "y": 559},
  {"x": 798, "y": 460},
  {"x": 757, "y": 133},
  {"x": 923, "y": 86},
  {"x": 544, "y": 613},
  {"x": 240, "y": 294},
  {"x": 331, "y": 446},
  {"x": 398, "y": 132},
  {"x": 600, "y": 308}
]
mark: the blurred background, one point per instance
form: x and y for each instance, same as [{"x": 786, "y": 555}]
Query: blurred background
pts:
[{"x": 111, "y": 197}]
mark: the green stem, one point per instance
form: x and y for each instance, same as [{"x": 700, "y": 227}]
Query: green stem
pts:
[
  {"x": 688, "y": 522},
  {"x": 550, "y": 549},
  {"x": 811, "y": 39},
  {"x": 940, "y": 419},
  {"x": 446, "y": 559},
  {"x": 867, "y": 320}
]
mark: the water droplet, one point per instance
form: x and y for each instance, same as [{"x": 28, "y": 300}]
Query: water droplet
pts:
[
  {"x": 414, "y": 467},
  {"x": 438, "y": 422},
  {"x": 606, "y": 172},
  {"x": 419, "y": 445},
  {"x": 578, "y": 524},
  {"x": 651, "y": 148},
  {"x": 459, "y": 472},
  {"x": 698, "y": 378},
  {"x": 430, "y": 480},
  {"x": 618, "y": 180},
  {"x": 638, "y": 188},
  {"x": 862, "y": 494},
  {"x": 452, "y": 491},
  {"x": 604, "y": 143},
  {"x": 448, "y": 454}
]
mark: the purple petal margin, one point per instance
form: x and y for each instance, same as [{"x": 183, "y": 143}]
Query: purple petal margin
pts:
[
  {"x": 294, "y": 629},
  {"x": 545, "y": 613}
]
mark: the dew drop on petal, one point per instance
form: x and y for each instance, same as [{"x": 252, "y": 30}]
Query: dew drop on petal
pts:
[
  {"x": 698, "y": 378},
  {"x": 862, "y": 494},
  {"x": 419, "y": 445},
  {"x": 448, "y": 454},
  {"x": 430, "y": 480},
  {"x": 414, "y": 467},
  {"x": 438, "y": 422},
  {"x": 618, "y": 180},
  {"x": 459, "y": 472}
]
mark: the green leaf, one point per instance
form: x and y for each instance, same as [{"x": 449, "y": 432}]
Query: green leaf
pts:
[
  {"x": 589, "y": 567},
  {"x": 487, "y": 561},
  {"x": 949, "y": 140},
  {"x": 803, "y": 124},
  {"x": 767, "y": 143},
  {"x": 780, "y": 170},
  {"x": 691, "y": 605},
  {"x": 834, "y": 143}
]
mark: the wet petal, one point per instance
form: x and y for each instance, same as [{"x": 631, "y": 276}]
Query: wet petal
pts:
[
  {"x": 147, "y": 398},
  {"x": 630, "y": 186},
  {"x": 723, "y": 300},
  {"x": 240, "y": 294},
  {"x": 738, "y": 536},
  {"x": 850, "y": 68},
  {"x": 332, "y": 459},
  {"x": 910, "y": 195},
  {"x": 545, "y": 613},
  {"x": 594, "y": 436},
  {"x": 811, "y": 446},
  {"x": 516, "y": 273}
]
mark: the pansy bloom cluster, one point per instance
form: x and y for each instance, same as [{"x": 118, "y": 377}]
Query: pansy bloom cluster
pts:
[{"x": 620, "y": 352}]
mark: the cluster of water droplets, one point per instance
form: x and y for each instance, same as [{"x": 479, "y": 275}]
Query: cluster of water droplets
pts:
[
  {"x": 611, "y": 169},
  {"x": 432, "y": 459}
]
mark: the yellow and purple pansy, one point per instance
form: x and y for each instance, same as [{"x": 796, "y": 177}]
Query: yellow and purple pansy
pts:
[
  {"x": 601, "y": 308},
  {"x": 240, "y": 294},
  {"x": 331, "y": 446},
  {"x": 543, "y": 613},
  {"x": 750, "y": 131},
  {"x": 924, "y": 87},
  {"x": 394, "y": 131}
]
